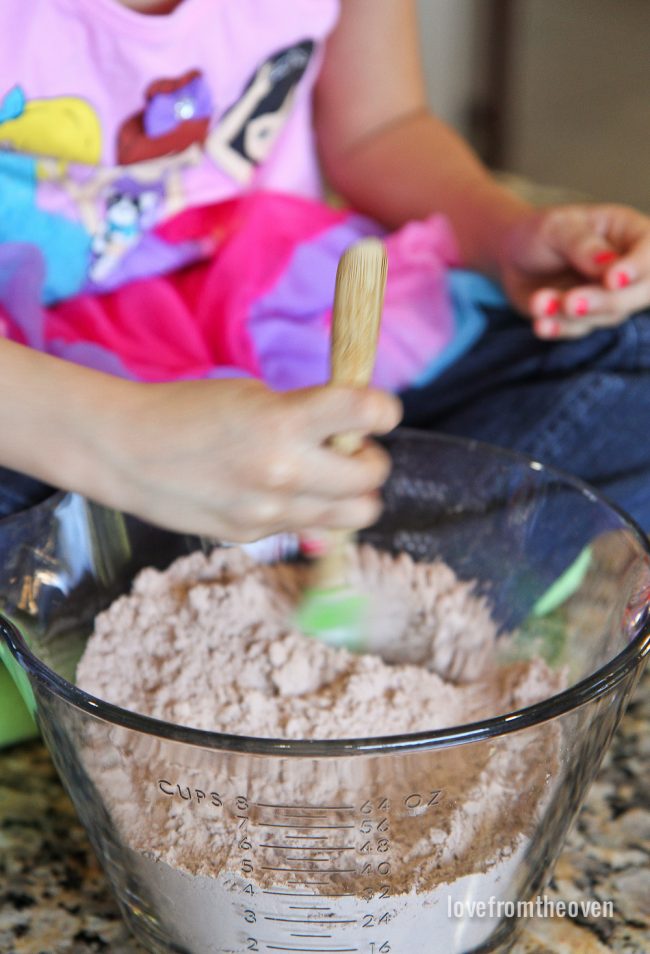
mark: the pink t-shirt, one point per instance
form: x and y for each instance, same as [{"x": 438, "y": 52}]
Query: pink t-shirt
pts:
[
  {"x": 112, "y": 121},
  {"x": 132, "y": 145}
]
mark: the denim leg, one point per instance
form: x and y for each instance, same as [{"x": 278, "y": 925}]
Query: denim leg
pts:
[
  {"x": 581, "y": 405},
  {"x": 18, "y": 492}
]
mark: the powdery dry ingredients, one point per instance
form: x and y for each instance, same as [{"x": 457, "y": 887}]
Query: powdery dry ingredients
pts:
[{"x": 370, "y": 848}]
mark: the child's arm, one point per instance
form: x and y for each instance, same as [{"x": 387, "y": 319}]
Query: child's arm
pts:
[
  {"x": 572, "y": 268},
  {"x": 227, "y": 459},
  {"x": 383, "y": 149}
]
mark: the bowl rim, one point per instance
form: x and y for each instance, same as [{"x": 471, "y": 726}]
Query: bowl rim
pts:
[{"x": 594, "y": 686}]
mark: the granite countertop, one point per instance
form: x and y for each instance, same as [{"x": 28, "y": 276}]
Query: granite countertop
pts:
[{"x": 54, "y": 898}]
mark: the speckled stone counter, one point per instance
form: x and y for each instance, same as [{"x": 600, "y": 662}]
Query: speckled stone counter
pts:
[{"x": 54, "y": 898}]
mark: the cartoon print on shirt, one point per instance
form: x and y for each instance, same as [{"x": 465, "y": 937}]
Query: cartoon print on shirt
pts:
[
  {"x": 176, "y": 114},
  {"x": 246, "y": 133},
  {"x": 63, "y": 243},
  {"x": 63, "y": 127},
  {"x": 40, "y": 138},
  {"x": 88, "y": 194},
  {"x": 130, "y": 209}
]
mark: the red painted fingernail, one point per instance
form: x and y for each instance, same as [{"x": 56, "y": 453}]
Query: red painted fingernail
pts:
[
  {"x": 313, "y": 547},
  {"x": 623, "y": 279},
  {"x": 548, "y": 329},
  {"x": 581, "y": 307},
  {"x": 605, "y": 257},
  {"x": 552, "y": 307}
]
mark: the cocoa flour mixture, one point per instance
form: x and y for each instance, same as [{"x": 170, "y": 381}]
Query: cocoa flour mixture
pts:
[{"x": 210, "y": 643}]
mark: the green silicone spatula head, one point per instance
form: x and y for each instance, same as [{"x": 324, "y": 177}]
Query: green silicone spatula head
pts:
[{"x": 332, "y": 611}]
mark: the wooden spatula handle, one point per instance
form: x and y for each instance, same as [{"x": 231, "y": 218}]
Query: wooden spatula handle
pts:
[{"x": 358, "y": 302}]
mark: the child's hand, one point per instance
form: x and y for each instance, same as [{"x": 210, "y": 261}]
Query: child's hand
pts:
[
  {"x": 232, "y": 459},
  {"x": 576, "y": 268}
]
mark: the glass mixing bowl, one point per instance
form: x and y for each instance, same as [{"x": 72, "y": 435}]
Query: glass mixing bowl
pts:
[{"x": 219, "y": 843}]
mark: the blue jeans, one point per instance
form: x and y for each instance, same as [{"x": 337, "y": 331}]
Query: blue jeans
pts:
[
  {"x": 18, "y": 492},
  {"x": 580, "y": 405}
]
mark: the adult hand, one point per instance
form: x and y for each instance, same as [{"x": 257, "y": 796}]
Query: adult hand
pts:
[
  {"x": 232, "y": 459},
  {"x": 576, "y": 268}
]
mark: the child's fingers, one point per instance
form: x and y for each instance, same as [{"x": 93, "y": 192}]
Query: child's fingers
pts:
[
  {"x": 351, "y": 514},
  {"x": 581, "y": 310},
  {"x": 327, "y": 473},
  {"x": 556, "y": 329},
  {"x": 254, "y": 517},
  {"x": 331, "y": 410},
  {"x": 593, "y": 239},
  {"x": 294, "y": 456},
  {"x": 605, "y": 307},
  {"x": 296, "y": 468},
  {"x": 588, "y": 301},
  {"x": 571, "y": 234},
  {"x": 313, "y": 542},
  {"x": 609, "y": 247},
  {"x": 630, "y": 269},
  {"x": 546, "y": 304}
]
